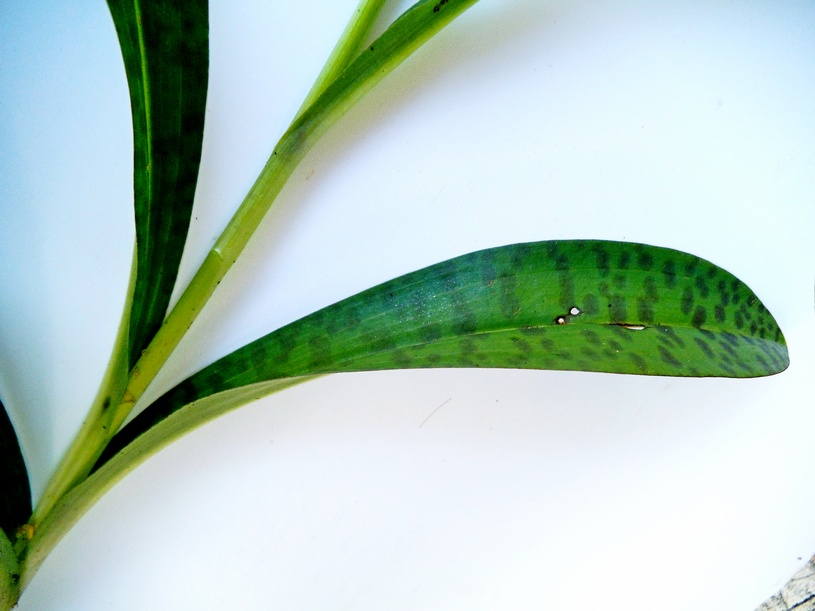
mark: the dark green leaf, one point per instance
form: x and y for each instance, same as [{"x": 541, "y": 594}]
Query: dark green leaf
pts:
[
  {"x": 166, "y": 56},
  {"x": 576, "y": 305},
  {"x": 15, "y": 493}
]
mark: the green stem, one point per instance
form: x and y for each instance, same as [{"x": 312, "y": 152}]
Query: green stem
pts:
[{"x": 346, "y": 48}]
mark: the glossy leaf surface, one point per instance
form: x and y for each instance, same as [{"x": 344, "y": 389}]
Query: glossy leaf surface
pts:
[
  {"x": 571, "y": 305},
  {"x": 15, "y": 492},
  {"x": 166, "y": 57}
]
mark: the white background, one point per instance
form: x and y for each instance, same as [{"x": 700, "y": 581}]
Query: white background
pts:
[{"x": 683, "y": 124}]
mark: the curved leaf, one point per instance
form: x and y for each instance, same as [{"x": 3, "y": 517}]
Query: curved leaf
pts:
[
  {"x": 15, "y": 492},
  {"x": 166, "y": 57},
  {"x": 578, "y": 305}
]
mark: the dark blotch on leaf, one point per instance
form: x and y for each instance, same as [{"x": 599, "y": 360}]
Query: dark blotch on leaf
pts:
[
  {"x": 645, "y": 311},
  {"x": 401, "y": 358},
  {"x": 521, "y": 344},
  {"x": 719, "y": 313},
  {"x": 650, "y": 286},
  {"x": 704, "y": 346},
  {"x": 383, "y": 342},
  {"x": 669, "y": 273},
  {"x": 465, "y": 327},
  {"x": 468, "y": 346},
  {"x": 686, "y": 305},
  {"x": 591, "y": 354},
  {"x": 729, "y": 349},
  {"x": 603, "y": 263},
  {"x": 735, "y": 286},
  {"x": 591, "y": 337},
  {"x": 724, "y": 295},
  {"x": 320, "y": 351},
  {"x": 645, "y": 261},
  {"x": 622, "y": 332},
  {"x": 640, "y": 362},
  {"x": 591, "y": 305},
  {"x": 617, "y": 309},
  {"x": 690, "y": 266},
  {"x": 671, "y": 336},
  {"x": 699, "y": 316},
  {"x": 668, "y": 357},
  {"x": 431, "y": 332},
  {"x": 701, "y": 284}
]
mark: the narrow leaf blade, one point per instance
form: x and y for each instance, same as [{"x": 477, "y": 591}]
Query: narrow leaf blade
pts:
[
  {"x": 166, "y": 56},
  {"x": 571, "y": 305},
  {"x": 15, "y": 491}
]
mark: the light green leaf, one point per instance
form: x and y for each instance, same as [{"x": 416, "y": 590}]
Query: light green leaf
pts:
[
  {"x": 575, "y": 305},
  {"x": 166, "y": 55}
]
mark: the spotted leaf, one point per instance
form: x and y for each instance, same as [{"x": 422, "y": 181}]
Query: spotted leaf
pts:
[{"x": 571, "y": 305}]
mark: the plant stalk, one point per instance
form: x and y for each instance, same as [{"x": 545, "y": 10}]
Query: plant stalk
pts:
[{"x": 345, "y": 50}]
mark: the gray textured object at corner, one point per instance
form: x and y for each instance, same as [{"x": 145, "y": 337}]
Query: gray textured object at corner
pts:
[{"x": 798, "y": 594}]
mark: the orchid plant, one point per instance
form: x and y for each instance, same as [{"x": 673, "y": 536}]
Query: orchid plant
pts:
[{"x": 590, "y": 305}]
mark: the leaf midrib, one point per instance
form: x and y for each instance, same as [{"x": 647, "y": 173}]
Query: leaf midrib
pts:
[{"x": 148, "y": 117}]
